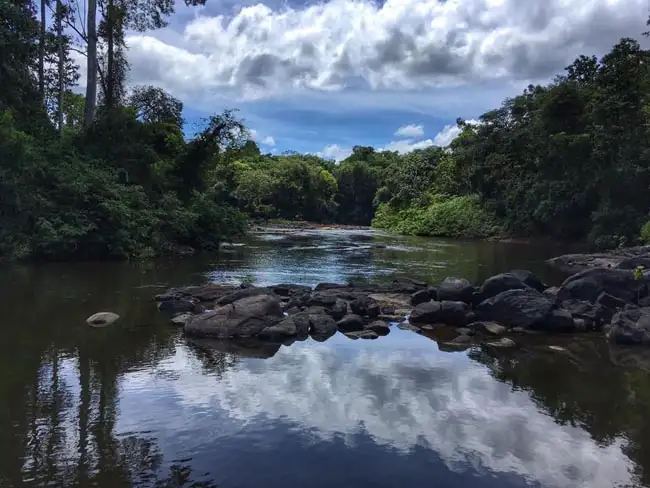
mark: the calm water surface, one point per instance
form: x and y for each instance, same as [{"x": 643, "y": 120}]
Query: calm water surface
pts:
[{"x": 137, "y": 404}]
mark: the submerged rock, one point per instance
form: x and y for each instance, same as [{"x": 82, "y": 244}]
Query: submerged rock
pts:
[
  {"x": 630, "y": 327},
  {"x": 362, "y": 334},
  {"x": 102, "y": 319},
  {"x": 350, "y": 323}
]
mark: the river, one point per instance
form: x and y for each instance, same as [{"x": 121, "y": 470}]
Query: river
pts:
[{"x": 138, "y": 404}]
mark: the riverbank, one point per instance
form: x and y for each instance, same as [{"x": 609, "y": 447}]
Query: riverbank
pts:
[{"x": 609, "y": 301}]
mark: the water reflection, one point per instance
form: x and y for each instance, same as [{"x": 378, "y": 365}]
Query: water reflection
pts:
[{"x": 137, "y": 404}]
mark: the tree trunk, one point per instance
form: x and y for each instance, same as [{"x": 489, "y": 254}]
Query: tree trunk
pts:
[
  {"x": 41, "y": 54},
  {"x": 110, "y": 68},
  {"x": 91, "y": 74},
  {"x": 61, "y": 87}
]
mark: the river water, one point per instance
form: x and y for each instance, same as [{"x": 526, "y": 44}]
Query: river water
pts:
[{"x": 137, "y": 404}]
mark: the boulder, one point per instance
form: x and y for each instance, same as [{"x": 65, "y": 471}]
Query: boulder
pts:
[
  {"x": 426, "y": 313},
  {"x": 322, "y": 327},
  {"x": 280, "y": 331},
  {"x": 512, "y": 308},
  {"x": 558, "y": 320},
  {"x": 242, "y": 293},
  {"x": 455, "y": 290},
  {"x": 630, "y": 327},
  {"x": 289, "y": 290},
  {"x": 322, "y": 299},
  {"x": 498, "y": 284},
  {"x": 245, "y": 317},
  {"x": 350, "y": 323},
  {"x": 529, "y": 278},
  {"x": 339, "y": 309},
  {"x": 328, "y": 286},
  {"x": 302, "y": 322},
  {"x": 102, "y": 319},
  {"x": 177, "y": 306},
  {"x": 454, "y": 313},
  {"x": 365, "y": 306},
  {"x": 594, "y": 314},
  {"x": 488, "y": 328},
  {"x": 379, "y": 327},
  {"x": 433, "y": 292},
  {"x": 589, "y": 284},
  {"x": 634, "y": 262},
  {"x": 420, "y": 296}
]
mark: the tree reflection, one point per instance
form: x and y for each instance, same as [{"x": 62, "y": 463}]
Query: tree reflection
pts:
[{"x": 580, "y": 386}]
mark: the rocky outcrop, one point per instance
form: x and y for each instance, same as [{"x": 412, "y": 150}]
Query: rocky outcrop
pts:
[
  {"x": 626, "y": 258},
  {"x": 457, "y": 312}
]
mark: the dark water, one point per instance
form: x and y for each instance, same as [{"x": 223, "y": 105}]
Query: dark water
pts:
[{"x": 137, "y": 404}]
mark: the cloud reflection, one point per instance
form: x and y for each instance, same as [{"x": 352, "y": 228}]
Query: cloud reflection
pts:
[{"x": 401, "y": 396}]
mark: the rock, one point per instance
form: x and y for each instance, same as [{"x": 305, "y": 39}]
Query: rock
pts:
[
  {"x": 323, "y": 299},
  {"x": 242, "y": 293},
  {"x": 409, "y": 327},
  {"x": 610, "y": 302},
  {"x": 391, "y": 318},
  {"x": 575, "y": 263},
  {"x": 361, "y": 334},
  {"x": 289, "y": 290},
  {"x": 491, "y": 328},
  {"x": 426, "y": 313},
  {"x": 512, "y": 308},
  {"x": 365, "y": 306},
  {"x": 339, "y": 309},
  {"x": 182, "y": 319},
  {"x": 328, "y": 286},
  {"x": 176, "y": 306},
  {"x": 403, "y": 312},
  {"x": 497, "y": 284},
  {"x": 504, "y": 342},
  {"x": 421, "y": 296},
  {"x": 634, "y": 262},
  {"x": 454, "y": 313},
  {"x": 630, "y": 327},
  {"x": 246, "y": 317},
  {"x": 322, "y": 327},
  {"x": 302, "y": 322},
  {"x": 379, "y": 327},
  {"x": 558, "y": 320},
  {"x": 298, "y": 300},
  {"x": 589, "y": 284},
  {"x": 433, "y": 292},
  {"x": 580, "y": 325},
  {"x": 455, "y": 290},
  {"x": 551, "y": 293},
  {"x": 278, "y": 332},
  {"x": 350, "y": 323},
  {"x": 594, "y": 314},
  {"x": 465, "y": 331},
  {"x": 102, "y": 319},
  {"x": 529, "y": 278}
]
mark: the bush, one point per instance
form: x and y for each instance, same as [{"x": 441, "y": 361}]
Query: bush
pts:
[{"x": 443, "y": 217}]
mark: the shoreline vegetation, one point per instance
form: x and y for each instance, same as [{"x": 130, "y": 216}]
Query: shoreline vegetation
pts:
[{"x": 113, "y": 175}]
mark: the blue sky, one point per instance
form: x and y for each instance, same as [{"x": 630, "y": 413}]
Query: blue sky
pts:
[{"x": 323, "y": 77}]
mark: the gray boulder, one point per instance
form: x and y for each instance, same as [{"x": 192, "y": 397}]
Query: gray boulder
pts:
[
  {"x": 281, "y": 331},
  {"x": 246, "y": 317},
  {"x": 455, "y": 290},
  {"x": 516, "y": 308},
  {"x": 498, "y": 284},
  {"x": 350, "y": 323},
  {"x": 630, "y": 327}
]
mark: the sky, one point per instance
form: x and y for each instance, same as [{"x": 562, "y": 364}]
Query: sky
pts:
[{"x": 322, "y": 77}]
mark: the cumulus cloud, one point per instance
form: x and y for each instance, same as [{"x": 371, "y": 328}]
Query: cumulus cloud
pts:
[
  {"x": 268, "y": 141},
  {"x": 407, "y": 145},
  {"x": 449, "y": 133},
  {"x": 335, "y": 152},
  {"x": 410, "y": 130},
  {"x": 400, "y": 45}
]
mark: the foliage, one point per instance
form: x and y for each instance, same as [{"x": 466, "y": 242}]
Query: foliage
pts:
[{"x": 460, "y": 216}]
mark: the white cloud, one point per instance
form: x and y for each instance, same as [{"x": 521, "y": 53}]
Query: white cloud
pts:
[
  {"x": 268, "y": 141},
  {"x": 400, "y": 45},
  {"x": 449, "y": 133},
  {"x": 407, "y": 145},
  {"x": 335, "y": 152},
  {"x": 410, "y": 130}
]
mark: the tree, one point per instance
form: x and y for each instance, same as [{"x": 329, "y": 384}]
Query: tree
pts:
[{"x": 155, "y": 105}]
